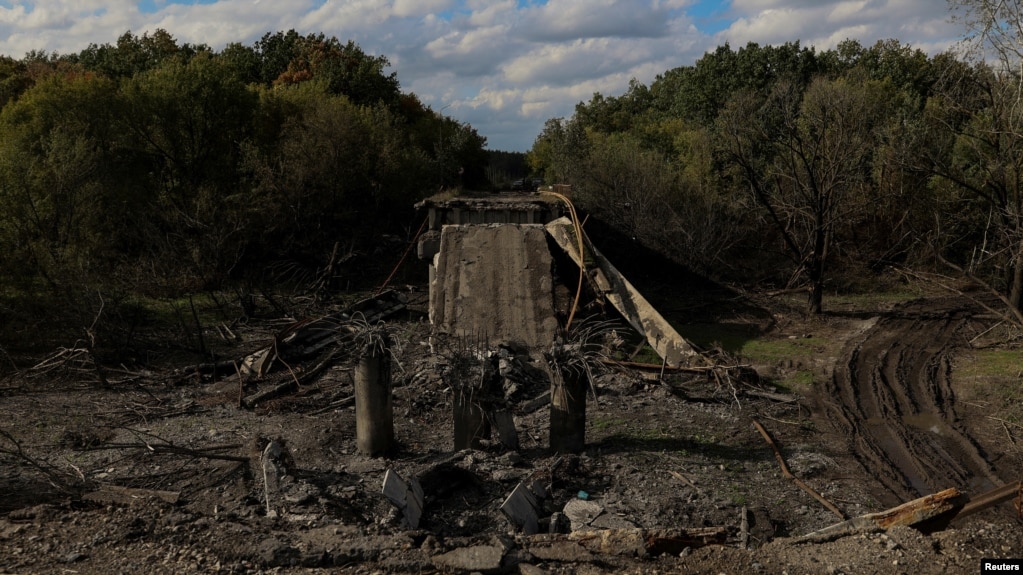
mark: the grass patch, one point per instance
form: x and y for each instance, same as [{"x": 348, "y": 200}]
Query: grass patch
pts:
[
  {"x": 992, "y": 379},
  {"x": 771, "y": 351},
  {"x": 601, "y": 424},
  {"x": 992, "y": 363},
  {"x": 747, "y": 343},
  {"x": 802, "y": 378}
]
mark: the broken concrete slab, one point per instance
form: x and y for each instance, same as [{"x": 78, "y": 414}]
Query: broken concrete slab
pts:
[
  {"x": 672, "y": 347},
  {"x": 407, "y": 497},
  {"x": 521, "y": 508},
  {"x": 494, "y": 282}
]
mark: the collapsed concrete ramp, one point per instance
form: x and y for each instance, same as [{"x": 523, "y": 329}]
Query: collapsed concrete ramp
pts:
[
  {"x": 635, "y": 308},
  {"x": 494, "y": 281}
]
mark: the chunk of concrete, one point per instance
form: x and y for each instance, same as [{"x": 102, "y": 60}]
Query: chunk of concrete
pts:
[
  {"x": 480, "y": 558},
  {"x": 635, "y": 308},
  {"x": 582, "y": 513}
]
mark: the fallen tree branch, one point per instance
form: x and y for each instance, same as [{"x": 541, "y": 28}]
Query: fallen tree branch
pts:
[
  {"x": 275, "y": 391},
  {"x": 171, "y": 449},
  {"x": 58, "y": 479},
  {"x": 910, "y": 513},
  {"x": 1011, "y": 314},
  {"x": 167, "y": 447},
  {"x": 785, "y": 471}
]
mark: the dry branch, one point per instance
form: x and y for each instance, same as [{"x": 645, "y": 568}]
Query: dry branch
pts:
[
  {"x": 785, "y": 471},
  {"x": 166, "y": 447},
  {"x": 58, "y": 479}
]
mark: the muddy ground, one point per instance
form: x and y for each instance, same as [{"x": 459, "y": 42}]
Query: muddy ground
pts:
[{"x": 163, "y": 471}]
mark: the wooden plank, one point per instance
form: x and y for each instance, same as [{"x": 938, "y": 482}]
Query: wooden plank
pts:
[
  {"x": 913, "y": 512},
  {"x": 635, "y": 308}
]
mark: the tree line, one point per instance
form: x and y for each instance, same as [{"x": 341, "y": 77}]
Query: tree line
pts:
[
  {"x": 796, "y": 168},
  {"x": 164, "y": 168}
]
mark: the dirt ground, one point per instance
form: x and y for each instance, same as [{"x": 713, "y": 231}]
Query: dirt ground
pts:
[{"x": 163, "y": 471}]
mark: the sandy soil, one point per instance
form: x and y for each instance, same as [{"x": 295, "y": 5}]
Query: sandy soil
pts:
[{"x": 164, "y": 472}]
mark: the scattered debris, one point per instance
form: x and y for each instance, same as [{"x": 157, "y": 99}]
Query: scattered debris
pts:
[
  {"x": 648, "y": 542},
  {"x": 306, "y": 348}
]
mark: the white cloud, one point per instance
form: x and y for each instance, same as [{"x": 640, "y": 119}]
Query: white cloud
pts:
[
  {"x": 825, "y": 23},
  {"x": 503, "y": 66},
  {"x": 572, "y": 19},
  {"x": 419, "y": 8},
  {"x": 490, "y": 12}
]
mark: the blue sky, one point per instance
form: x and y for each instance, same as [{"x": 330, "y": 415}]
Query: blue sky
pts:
[{"x": 503, "y": 66}]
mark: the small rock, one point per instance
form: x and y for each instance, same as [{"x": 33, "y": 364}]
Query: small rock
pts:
[{"x": 74, "y": 557}]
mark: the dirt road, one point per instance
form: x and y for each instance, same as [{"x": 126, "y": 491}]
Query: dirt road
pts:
[{"x": 891, "y": 401}]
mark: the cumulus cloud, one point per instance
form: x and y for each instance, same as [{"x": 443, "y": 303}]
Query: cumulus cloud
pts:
[
  {"x": 563, "y": 20},
  {"x": 504, "y": 66},
  {"x": 825, "y": 23}
]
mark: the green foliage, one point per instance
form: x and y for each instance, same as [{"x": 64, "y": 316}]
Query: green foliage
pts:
[
  {"x": 763, "y": 164},
  {"x": 164, "y": 168},
  {"x": 53, "y": 182},
  {"x": 14, "y": 79},
  {"x": 135, "y": 54}
]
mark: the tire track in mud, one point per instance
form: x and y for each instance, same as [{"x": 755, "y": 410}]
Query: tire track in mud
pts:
[{"x": 891, "y": 399}]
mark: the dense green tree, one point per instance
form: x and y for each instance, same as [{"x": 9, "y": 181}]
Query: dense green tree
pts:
[
  {"x": 974, "y": 151},
  {"x": 133, "y": 54},
  {"x": 970, "y": 141},
  {"x": 60, "y": 194},
  {"x": 14, "y": 79},
  {"x": 806, "y": 160},
  {"x": 697, "y": 93},
  {"x": 188, "y": 119},
  {"x": 344, "y": 68},
  {"x": 336, "y": 172}
]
